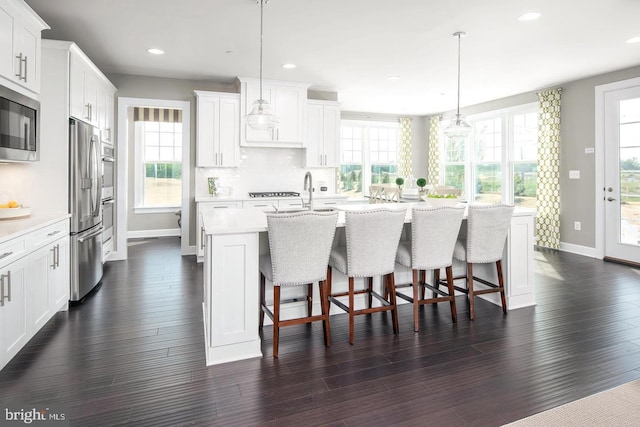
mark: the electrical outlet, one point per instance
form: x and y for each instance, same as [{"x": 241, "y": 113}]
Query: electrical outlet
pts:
[
  {"x": 577, "y": 225},
  {"x": 575, "y": 174}
]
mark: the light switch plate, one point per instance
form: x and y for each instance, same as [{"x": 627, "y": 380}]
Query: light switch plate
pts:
[
  {"x": 574, "y": 174},
  {"x": 589, "y": 150}
]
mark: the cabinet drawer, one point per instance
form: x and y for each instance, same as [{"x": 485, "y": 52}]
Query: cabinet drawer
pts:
[
  {"x": 49, "y": 234},
  {"x": 12, "y": 250},
  {"x": 209, "y": 206},
  {"x": 264, "y": 205}
]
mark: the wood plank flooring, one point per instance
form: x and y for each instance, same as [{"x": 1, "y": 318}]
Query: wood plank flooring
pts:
[{"x": 133, "y": 354}]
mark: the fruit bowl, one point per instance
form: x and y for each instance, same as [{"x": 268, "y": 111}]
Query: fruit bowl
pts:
[{"x": 10, "y": 213}]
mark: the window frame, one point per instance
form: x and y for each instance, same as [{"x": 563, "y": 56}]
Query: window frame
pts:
[
  {"x": 140, "y": 167},
  {"x": 366, "y": 126},
  {"x": 507, "y": 161}
]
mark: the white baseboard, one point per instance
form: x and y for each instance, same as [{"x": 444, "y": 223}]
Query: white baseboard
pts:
[
  {"x": 190, "y": 251},
  {"x": 141, "y": 234},
  {"x": 579, "y": 250}
]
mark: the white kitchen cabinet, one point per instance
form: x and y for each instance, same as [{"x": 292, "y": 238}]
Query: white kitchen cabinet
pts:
[
  {"x": 207, "y": 207},
  {"x": 34, "y": 284},
  {"x": 83, "y": 89},
  {"x": 327, "y": 203},
  {"x": 14, "y": 321},
  {"x": 288, "y": 102},
  {"x": 218, "y": 129},
  {"x": 265, "y": 205},
  {"x": 323, "y": 134},
  {"x": 20, "y": 41},
  {"x": 106, "y": 109}
]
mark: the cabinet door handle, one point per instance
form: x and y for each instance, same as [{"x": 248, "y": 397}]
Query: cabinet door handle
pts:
[
  {"x": 201, "y": 237},
  {"x": 278, "y": 134},
  {"x": 6, "y": 254},
  {"x": 221, "y": 159},
  {"x": 53, "y": 233},
  {"x": 2, "y": 290},
  {"x": 88, "y": 116},
  {"x": 53, "y": 255},
  {"x": 25, "y": 69},
  {"x": 58, "y": 255},
  {"x": 19, "y": 73},
  {"x": 325, "y": 160}
]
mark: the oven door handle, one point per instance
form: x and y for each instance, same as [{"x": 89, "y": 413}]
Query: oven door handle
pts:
[
  {"x": 108, "y": 202},
  {"x": 108, "y": 159}
]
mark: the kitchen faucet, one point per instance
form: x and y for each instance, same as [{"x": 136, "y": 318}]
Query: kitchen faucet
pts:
[{"x": 308, "y": 179}]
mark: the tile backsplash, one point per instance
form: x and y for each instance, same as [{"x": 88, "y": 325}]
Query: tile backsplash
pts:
[{"x": 264, "y": 169}]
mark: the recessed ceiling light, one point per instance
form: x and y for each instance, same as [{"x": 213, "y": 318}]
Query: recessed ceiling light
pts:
[
  {"x": 634, "y": 40},
  {"x": 155, "y": 51},
  {"x": 529, "y": 16},
  {"x": 394, "y": 77},
  {"x": 289, "y": 66}
]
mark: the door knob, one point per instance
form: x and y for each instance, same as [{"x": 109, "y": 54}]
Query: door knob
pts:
[
  {"x": 609, "y": 189},
  {"x": 610, "y": 199}
]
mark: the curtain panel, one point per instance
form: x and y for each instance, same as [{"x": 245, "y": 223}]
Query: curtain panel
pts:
[
  {"x": 405, "y": 158},
  {"x": 167, "y": 115},
  {"x": 433, "y": 171},
  {"x": 548, "y": 176}
]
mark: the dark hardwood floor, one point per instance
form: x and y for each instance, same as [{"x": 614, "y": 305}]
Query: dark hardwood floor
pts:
[{"x": 133, "y": 354}]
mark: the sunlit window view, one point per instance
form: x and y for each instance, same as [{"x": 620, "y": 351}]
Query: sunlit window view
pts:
[
  {"x": 368, "y": 156},
  {"x": 630, "y": 171},
  {"x": 497, "y": 162},
  {"x": 161, "y": 163}
]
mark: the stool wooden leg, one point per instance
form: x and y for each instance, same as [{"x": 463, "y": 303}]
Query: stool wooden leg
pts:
[
  {"x": 416, "y": 302},
  {"x": 423, "y": 279},
  {"x": 470, "y": 289},
  {"x": 276, "y": 319},
  {"x": 501, "y": 284},
  {"x": 329, "y": 270},
  {"x": 309, "y": 299},
  {"x": 452, "y": 293},
  {"x": 351, "y": 307},
  {"x": 369, "y": 293},
  {"x": 436, "y": 280},
  {"x": 324, "y": 304},
  {"x": 392, "y": 293},
  {"x": 262, "y": 300}
]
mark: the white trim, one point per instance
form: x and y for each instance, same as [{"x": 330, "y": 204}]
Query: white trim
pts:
[
  {"x": 600, "y": 92},
  {"x": 149, "y": 210},
  {"x": 164, "y": 232},
  {"x": 120, "y": 251},
  {"x": 579, "y": 250}
]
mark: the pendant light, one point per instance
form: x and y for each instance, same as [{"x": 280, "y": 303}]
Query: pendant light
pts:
[
  {"x": 261, "y": 117},
  {"x": 458, "y": 128}
]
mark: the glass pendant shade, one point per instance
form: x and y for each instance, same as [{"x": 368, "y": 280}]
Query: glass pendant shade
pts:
[
  {"x": 458, "y": 128},
  {"x": 261, "y": 117}
]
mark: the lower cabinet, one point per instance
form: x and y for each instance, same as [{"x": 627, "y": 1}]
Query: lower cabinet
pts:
[
  {"x": 33, "y": 287},
  {"x": 206, "y": 207}
]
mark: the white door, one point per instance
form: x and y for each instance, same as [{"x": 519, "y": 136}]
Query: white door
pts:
[{"x": 621, "y": 194}]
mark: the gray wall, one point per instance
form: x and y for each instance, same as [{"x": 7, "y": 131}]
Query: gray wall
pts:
[{"x": 577, "y": 123}]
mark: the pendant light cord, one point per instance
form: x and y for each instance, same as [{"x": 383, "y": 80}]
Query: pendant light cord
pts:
[
  {"x": 459, "y": 34},
  {"x": 261, "y": 36}
]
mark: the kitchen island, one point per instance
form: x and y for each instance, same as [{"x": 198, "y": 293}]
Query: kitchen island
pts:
[{"x": 234, "y": 239}]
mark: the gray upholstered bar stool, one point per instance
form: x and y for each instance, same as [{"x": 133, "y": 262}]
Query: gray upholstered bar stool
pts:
[
  {"x": 300, "y": 244},
  {"x": 372, "y": 238},
  {"x": 434, "y": 232},
  {"x": 483, "y": 243}
]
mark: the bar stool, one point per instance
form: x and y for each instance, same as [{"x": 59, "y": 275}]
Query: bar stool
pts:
[
  {"x": 372, "y": 238},
  {"x": 483, "y": 243},
  {"x": 300, "y": 244},
  {"x": 434, "y": 232}
]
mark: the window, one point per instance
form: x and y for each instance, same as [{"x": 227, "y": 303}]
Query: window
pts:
[
  {"x": 368, "y": 156},
  {"x": 500, "y": 153},
  {"x": 159, "y": 169}
]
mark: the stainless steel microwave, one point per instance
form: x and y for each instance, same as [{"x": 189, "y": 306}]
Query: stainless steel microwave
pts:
[{"x": 19, "y": 127}]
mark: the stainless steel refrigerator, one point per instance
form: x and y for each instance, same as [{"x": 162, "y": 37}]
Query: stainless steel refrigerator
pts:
[{"x": 85, "y": 188}]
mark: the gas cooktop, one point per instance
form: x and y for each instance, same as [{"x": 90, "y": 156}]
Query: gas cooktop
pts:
[{"x": 275, "y": 194}]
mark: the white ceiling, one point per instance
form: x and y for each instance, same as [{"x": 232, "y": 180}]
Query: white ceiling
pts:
[{"x": 352, "y": 46}]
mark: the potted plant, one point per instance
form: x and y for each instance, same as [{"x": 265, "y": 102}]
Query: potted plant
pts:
[{"x": 421, "y": 182}]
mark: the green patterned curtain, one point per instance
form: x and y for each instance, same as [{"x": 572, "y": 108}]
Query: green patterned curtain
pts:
[
  {"x": 405, "y": 168},
  {"x": 548, "y": 176},
  {"x": 433, "y": 171}
]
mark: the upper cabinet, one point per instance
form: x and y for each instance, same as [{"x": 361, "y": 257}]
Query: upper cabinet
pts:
[
  {"x": 288, "y": 101},
  {"x": 20, "y": 42},
  {"x": 323, "y": 134},
  {"x": 218, "y": 129}
]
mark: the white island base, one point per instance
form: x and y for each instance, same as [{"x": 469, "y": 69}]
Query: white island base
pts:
[{"x": 234, "y": 239}]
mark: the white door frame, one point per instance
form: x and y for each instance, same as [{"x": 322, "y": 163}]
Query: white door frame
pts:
[
  {"x": 600, "y": 157},
  {"x": 122, "y": 158}
]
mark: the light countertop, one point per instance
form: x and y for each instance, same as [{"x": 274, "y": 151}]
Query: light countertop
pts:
[
  {"x": 245, "y": 198},
  {"x": 233, "y": 221},
  {"x": 11, "y": 228}
]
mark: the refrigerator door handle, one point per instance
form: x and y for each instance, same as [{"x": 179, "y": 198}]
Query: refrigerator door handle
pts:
[
  {"x": 90, "y": 235},
  {"x": 95, "y": 179}
]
